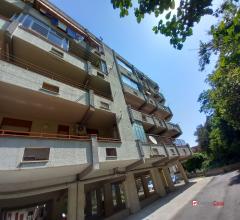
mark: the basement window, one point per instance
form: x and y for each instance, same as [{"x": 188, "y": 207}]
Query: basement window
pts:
[
  {"x": 50, "y": 88},
  {"x": 111, "y": 153},
  {"x": 36, "y": 154},
  {"x": 57, "y": 53},
  {"x": 173, "y": 152},
  {"x": 154, "y": 152},
  {"x": 104, "y": 105},
  {"x": 100, "y": 75}
]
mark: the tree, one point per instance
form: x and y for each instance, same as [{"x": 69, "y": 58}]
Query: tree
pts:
[
  {"x": 223, "y": 96},
  {"x": 195, "y": 162},
  {"x": 202, "y": 133},
  {"x": 178, "y": 26},
  {"x": 221, "y": 101}
]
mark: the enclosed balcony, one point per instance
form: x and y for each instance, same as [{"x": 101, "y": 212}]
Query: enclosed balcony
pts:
[
  {"x": 173, "y": 130},
  {"x": 150, "y": 123},
  {"x": 33, "y": 39},
  {"x": 183, "y": 149},
  {"x": 163, "y": 112}
]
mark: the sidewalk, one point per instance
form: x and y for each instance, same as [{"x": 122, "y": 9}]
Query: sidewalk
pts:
[{"x": 168, "y": 206}]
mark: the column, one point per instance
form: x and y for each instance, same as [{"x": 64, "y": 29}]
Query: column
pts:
[
  {"x": 132, "y": 200},
  {"x": 72, "y": 202},
  {"x": 182, "y": 171},
  {"x": 158, "y": 182},
  {"x": 80, "y": 201},
  {"x": 168, "y": 178},
  {"x": 108, "y": 199},
  {"x": 163, "y": 178}
]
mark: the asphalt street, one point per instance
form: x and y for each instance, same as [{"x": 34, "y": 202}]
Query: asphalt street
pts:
[{"x": 218, "y": 200}]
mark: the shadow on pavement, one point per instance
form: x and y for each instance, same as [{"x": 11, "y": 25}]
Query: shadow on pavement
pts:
[
  {"x": 149, "y": 209},
  {"x": 235, "y": 179}
]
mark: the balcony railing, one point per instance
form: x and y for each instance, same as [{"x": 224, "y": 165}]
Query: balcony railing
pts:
[
  {"x": 172, "y": 126},
  {"x": 10, "y": 58},
  {"x": 12, "y": 133}
]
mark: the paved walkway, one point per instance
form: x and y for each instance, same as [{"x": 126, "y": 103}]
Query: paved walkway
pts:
[{"x": 168, "y": 206}]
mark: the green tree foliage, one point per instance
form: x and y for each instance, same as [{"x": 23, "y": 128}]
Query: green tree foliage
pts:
[
  {"x": 221, "y": 101},
  {"x": 202, "y": 133},
  {"x": 178, "y": 26},
  {"x": 195, "y": 163},
  {"x": 223, "y": 96}
]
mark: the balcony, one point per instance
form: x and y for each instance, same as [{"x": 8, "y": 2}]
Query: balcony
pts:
[
  {"x": 30, "y": 43},
  {"x": 85, "y": 51},
  {"x": 183, "y": 149},
  {"x": 55, "y": 155},
  {"x": 133, "y": 97},
  {"x": 173, "y": 130},
  {"x": 163, "y": 112},
  {"x": 9, "y": 7},
  {"x": 22, "y": 83},
  {"x": 151, "y": 124}
]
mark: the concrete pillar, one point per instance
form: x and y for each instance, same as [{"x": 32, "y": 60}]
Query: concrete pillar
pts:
[
  {"x": 72, "y": 202},
  {"x": 108, "y": 199},
  {"x": 163, "y": 178},
  {"x": 130, "y": 189},
  {"x": 80, "y": 201},
  {"x": 158, "y": 182},
  {"x": 168, "y": 178},
  {"x": 182, "y": 171}
]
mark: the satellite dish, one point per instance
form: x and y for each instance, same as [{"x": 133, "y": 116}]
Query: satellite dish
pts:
[{"x": 152, "y": 139}]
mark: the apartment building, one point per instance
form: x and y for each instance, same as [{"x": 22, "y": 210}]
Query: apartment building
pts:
[{"x": 84, "y": 134}]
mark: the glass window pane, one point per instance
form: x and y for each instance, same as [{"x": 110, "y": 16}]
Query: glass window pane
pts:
[
  {"x": 27, "y": 22},
  {"x": 139, "y": 132},
  {"x": 56, "y": 39},
  {"x": 103, "y": 66},
  {"x": 40, "y": 28}
]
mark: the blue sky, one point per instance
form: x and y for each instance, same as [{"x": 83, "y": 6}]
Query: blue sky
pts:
[{"x": 175, "y": 71}]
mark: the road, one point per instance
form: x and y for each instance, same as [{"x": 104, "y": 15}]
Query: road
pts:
[{"x": 222, "y": 188}]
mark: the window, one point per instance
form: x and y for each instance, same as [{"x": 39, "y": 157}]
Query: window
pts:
[
  {"x": 100, "y": 75},
  {"x": 129, "y": 82},
  {"x": 45, "y": 31},
  {"x": 16, "y": 125},
  {"x": 63, "y": 129},
  {"x": 57, "y": 52},
  {"x": 111, "y": 152},
  {"x": 36, "y": 154},
  {"x": 104, "y": 105},
  {"x": 103, "y": 66},
  {"x": 49, "y": 87},
  {"x": 94, "y": 206},
  {"x": 154, "y": 152},
  {"x": 118, "y": 196},
  {"x": 139, "y": 132},
  {"x": 173, "y": 151}
]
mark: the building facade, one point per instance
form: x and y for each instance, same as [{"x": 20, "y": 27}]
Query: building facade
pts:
[{"x": 84, "y": 134}]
